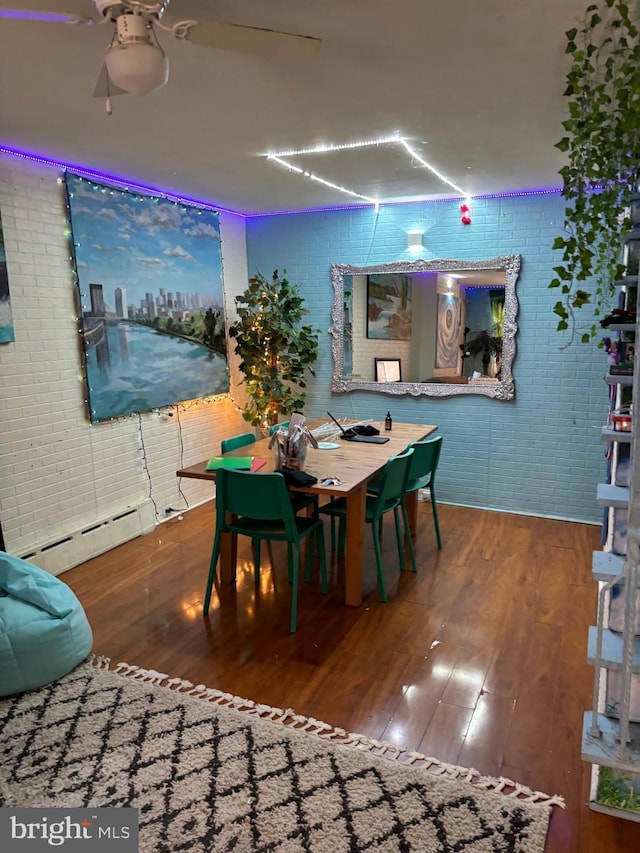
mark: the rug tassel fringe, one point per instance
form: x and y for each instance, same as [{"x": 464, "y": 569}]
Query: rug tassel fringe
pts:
[
  {"x": 293, "y": 720},
  {"x": 99, "y": 661}
]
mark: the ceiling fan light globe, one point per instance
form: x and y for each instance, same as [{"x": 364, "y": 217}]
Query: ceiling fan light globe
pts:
[{"x": 137, "y": 68}]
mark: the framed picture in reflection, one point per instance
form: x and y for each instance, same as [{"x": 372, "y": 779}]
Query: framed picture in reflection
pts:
[
  {"x": 388, "y": 370},
  {"x": 389, "y": 306},
  {"x": 448, "y": 332}
]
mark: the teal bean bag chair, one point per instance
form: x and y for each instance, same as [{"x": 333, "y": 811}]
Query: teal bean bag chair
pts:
[{"x": 44, "y": 632}]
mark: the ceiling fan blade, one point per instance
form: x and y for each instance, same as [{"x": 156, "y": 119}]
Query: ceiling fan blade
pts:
[
  {"x": 49, "y": 17},
  {"x": 269, "y": 43},
  {"x": 105, "y": 87}
]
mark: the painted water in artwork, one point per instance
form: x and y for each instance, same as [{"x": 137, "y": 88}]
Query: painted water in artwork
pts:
[
  {"x": 6, "y": 318},
  {"x": 150, "y": 280},
  {"x": 389, "y": 306}
]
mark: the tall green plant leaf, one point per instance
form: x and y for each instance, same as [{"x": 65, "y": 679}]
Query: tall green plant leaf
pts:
[{"x": 276, "y": 349}]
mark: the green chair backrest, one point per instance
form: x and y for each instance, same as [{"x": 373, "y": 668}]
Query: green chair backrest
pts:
[
  {"x": 393, "y": 482},
  {"x": 235, "y": 441},
  {"x": 262, "y": 496},
  {"x": 276, "y": 427},
  {"x": 426, "y": 455}
]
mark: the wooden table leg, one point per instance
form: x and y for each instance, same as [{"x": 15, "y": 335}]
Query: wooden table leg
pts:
[
  {"x": 411, "y": 503},
  {"x": 228, "y": 557},
  {"x": 354, "y": 554}
]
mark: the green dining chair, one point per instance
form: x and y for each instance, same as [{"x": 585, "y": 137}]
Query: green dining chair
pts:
[
  {"x": 260, "y": 508},
  {"x": 393, "y": 482},
  {"x": 236, "y": 441},
  {"x": 276, "y": 427},
  {"x": 299, "y": 500},
  {"x": 422, "y": 473}
]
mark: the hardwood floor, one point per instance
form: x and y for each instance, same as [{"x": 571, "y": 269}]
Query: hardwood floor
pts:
[{"x": 479, "y": 659}]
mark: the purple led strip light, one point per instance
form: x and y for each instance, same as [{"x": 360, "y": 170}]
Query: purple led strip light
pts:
[
  {"x": 26, "y": 15},
  {"x": 479, "y": 197},
  {"x": 118, "y": 183},
  {"x": 131, "y": 185}
]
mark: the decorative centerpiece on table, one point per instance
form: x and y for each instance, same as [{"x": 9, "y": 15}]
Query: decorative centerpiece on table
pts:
[{"x": 290, "y": 444}]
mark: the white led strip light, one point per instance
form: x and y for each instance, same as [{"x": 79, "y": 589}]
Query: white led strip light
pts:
[{"x": 280, "y": 157}]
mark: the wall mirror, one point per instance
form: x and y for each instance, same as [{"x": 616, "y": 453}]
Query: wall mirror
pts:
[{"x": 448, "y": 325}]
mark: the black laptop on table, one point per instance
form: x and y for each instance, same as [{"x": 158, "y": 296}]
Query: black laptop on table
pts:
[{"x": 352, "y": 434}]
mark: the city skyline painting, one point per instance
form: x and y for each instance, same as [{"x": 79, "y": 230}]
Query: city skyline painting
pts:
[{"x": 149, "y": 274}]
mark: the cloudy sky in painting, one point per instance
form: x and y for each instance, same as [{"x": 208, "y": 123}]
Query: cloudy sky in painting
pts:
[{"x": 142, "y": 244}]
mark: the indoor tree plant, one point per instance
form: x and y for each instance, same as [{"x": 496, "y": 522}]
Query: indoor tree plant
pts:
[
  {"x": 602, "y": 144},
  {"x": 276, "y": 349},
  {"x": 487, "y": 344}
]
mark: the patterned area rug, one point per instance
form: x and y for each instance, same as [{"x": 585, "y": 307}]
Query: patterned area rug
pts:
[{"x": 211, "y": 772}]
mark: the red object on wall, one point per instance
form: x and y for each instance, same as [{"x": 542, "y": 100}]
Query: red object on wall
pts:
[{"x": 466, "y": 214}]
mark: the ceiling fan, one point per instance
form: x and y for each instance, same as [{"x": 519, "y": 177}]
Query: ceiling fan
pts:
[{"x": 136, "y": 63}]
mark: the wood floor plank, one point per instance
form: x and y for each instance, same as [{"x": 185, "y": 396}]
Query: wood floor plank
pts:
[
  {"x": 486, "y": 736},
  {"x": 426, "y": 680},
  {"x": 446, "y": 733},
  {"x": 480, "y": 656}
]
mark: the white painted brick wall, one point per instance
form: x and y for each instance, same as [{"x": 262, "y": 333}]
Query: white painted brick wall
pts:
[{"x": 59, "y": 473}]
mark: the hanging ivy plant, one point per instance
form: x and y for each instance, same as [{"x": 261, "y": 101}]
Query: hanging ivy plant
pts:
[
  {"x": 602, "y": 144},
  {"x": 275, "y": 348}
]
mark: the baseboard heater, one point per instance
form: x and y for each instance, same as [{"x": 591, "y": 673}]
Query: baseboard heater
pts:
[{"x": 94, "y": 539}]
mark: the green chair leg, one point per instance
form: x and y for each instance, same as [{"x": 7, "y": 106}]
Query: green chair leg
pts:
[
  {"x": 399, "y": 539},
  {"x": 342, "y": 536},
  {"x": 378, "y": 550},
  {"x": 318, "y": 539},
  {"x": 212, "y": 573},
  {"x": 294, "y": 572},
  {"x": 434, "y": 509},
  {"x": 323, "y": 560},
  {"x": 407, "y": 533},
  {"x": 290, "y": 572},
  {"x": 256, "y": 560},
  {"x": 309, "y": 559}
]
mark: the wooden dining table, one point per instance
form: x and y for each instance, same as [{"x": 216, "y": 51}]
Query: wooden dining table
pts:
[{"x": 353, "y": 464}]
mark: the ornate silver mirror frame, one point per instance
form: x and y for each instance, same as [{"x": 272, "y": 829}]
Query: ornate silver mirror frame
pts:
[{"x": 499, "y": 389}]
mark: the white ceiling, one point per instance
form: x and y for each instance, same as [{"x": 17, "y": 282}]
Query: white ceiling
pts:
[{"x": 475, "y": 86}]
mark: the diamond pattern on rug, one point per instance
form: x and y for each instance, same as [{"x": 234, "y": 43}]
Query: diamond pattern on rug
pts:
[{"x": 210, "y": 778}]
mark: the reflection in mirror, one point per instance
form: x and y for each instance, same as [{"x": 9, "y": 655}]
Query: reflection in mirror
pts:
[{"x": 450, "y": 324}]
